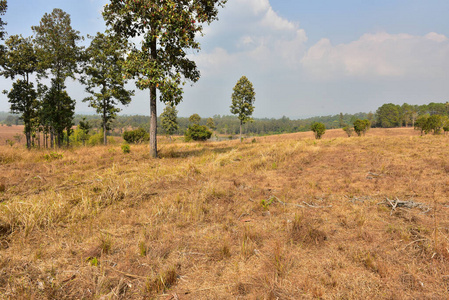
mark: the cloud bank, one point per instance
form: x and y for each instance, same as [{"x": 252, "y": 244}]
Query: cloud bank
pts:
[{"x": 294, "y": 78}]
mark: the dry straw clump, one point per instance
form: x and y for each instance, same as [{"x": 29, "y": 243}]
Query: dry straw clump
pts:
[{"x": 287, "y": 217}]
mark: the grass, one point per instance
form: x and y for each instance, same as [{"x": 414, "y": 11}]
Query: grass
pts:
[{"x": 202, "y": 222}]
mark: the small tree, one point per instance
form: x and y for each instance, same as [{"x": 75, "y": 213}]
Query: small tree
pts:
[
  {"x": 361, "y": 126},
  {"x": 211, "y": 124},
  {"x": 243, "y": 99},
  {"x": 435, "y": 124},
  {"x": 84, "y": 128},
  {"x": 318, "y": 129},
  {"x": 136, "y": 136},
  {"x": 421, "y": 124},
  {"x": 197, "y": 133},
  {"x": 169, "y": 119},
  {"x": 195, "y": 119},
  {"x": 349, "y": 130}
]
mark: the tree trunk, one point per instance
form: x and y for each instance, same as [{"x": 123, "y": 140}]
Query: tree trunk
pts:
[
  {"x": 28, "y": 139},
  {"x": 153, "y": 113},
  {"x": 240, "y": 131},
  {"x": 51, "y": 138},
  {"x": 105, "y": 138},
  {"x": 153, "y": 122}
]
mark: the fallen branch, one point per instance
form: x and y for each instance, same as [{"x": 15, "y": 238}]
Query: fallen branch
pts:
[
  {"x": 420, "y": 240},
  {"x": 407, "y": 204},
  {"x": 372, "y": 175}
]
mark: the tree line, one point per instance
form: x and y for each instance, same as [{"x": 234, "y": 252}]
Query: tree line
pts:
[
  {"x": 386, "y": 116},
  {"x": 159, "y": 62}
]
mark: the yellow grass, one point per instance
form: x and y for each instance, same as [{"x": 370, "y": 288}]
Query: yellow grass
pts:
[{"x": 285, "y": 217}]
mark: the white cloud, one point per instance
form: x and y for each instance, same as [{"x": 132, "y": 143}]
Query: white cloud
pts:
[
  {"x": 380, "y": 55},
  {"x": 252, "y": 35}
]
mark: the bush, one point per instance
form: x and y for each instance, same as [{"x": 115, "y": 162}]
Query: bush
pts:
[
  {"x": 126, "y": 148},
  {"x": 434, "y": 123},
  {"x": 136, "y": 136},
  {"x": 349, "y": 130},
  {"x": 318, "y": 129},
  {"x": 361, "y": 126},
  {"x": 197, "y": 133}
]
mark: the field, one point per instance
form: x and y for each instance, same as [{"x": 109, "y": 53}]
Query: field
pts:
[{"x": 281, "y": 217}]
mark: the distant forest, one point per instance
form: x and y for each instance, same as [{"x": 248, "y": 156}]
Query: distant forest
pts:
[{"x": 387, "y": 116}]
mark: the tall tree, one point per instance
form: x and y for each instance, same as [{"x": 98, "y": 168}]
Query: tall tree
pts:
[
  {"x": 20, "y": 59},
  {"x": 167, "y": 29},
  {"x": 169, "y": 119},
  {"x": 104, "y": 79},
  {"x": 57, "y": 111},
  {"x": 243, "y": 99},
  {"x": 22, "y": 98},
  {"x": 388, "y": 115},
  {"x": 57, "y": 50}
]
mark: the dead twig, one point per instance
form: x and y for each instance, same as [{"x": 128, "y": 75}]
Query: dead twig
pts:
[
  {"x": 406, "y": 204},
  {"x": 409, "y": 244}
]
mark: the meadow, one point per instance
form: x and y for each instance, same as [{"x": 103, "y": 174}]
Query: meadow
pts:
[{"x": 277, "y": 217}]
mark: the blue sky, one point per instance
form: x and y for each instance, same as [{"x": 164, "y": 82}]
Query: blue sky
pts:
[{"x": 304, "y": 58}]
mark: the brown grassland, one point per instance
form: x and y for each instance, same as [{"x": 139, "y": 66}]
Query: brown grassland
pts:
[{"x": 282, "y": 217}]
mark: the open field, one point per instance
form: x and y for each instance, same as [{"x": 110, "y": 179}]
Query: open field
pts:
[
  {"x": 8, "y": 133},
  {"x": 283, "y": 217}
]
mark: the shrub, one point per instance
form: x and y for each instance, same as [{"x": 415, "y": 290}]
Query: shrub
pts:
[
  {"x": 53, "y": 156},
  {"x": 349, "y": 130},
  {"x": 136, "y": 136},
  {"x": 361, "y": 126},
  {"x": 318, "y": 129},
  {"x": 197, "y": 133},
  {"x": 126, "y": 148}
]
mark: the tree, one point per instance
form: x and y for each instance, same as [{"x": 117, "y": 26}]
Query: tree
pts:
[
  {"x": 361, "y": 126},
  {"x": 104, "y": 78},
  {"x": 197, "y": 132},
  {"x": 84, "y": 128},
  {"x": 243, "y": 99},
  {"x": 341, "y": 120},
  {"x": 195, "y": 119},
  {"x": 169, "y": 119},
  {"x": 348, "y": 129},
  {"x": 19, "y": 59},
  {"x": 318, "y": 129},
  {"x": 388, "y": 115},
  {"x": 211, "y": 124},
  {"x": 167, "y": 29},
  {"x": 57, "y": 111},
  {"x": 22, "y": 98},
  {"x": 435, "y": 123},
  {"x": 421, "y": 123},
  {"x": 136, "y": 136},
  {"x": 57, "y": 51}
]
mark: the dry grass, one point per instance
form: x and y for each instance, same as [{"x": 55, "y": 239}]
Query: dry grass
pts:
[{"x": 286, "y": 217}]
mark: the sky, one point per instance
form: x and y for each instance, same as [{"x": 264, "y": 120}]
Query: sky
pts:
[{"x": 304, "y": 57}]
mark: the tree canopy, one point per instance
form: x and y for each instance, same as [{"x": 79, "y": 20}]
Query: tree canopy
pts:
[
  {"x": 104, "y": 79},
  {"x": 166, "y": 29}
]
